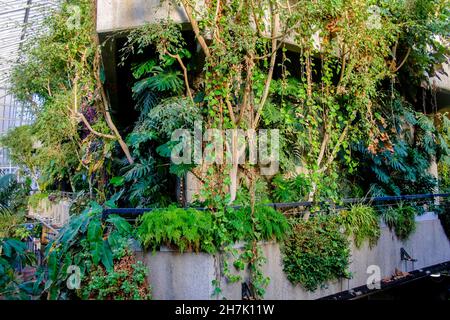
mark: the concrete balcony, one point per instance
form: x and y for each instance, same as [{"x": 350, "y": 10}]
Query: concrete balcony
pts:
[
  {"x": 117, "y": 15},
  {"x": 114, "y": 16}
]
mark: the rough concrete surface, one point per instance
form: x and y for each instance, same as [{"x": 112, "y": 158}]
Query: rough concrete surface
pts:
[{"x": 189, "y": 275}]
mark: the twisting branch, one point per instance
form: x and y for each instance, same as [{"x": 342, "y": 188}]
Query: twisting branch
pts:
[
  {"x": 81, "y": 116},
  {"x": 195, "y": 28},
  {"x": 404, "y": 60},
  {"x": 271, "y": 68},
  {"x": 106, "y": 110},
  {"x": 186, "y": 79}
]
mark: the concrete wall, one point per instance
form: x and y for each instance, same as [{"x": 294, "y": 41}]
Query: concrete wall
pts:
[
  {"x": 189, "y": 275},
  {"x": 116, "y": 15}
]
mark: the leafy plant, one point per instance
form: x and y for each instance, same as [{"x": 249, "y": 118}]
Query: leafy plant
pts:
[
  {"x": 88, "y": 243},
  {"x": 35, "y": 199},
  {"x": 186, "y": 229},
  {"x": 315, "y": 252},
  {"x": 290, "y": 190},
  {"x": 362, "y": 222},
  {"x": 13, "y": 194},
  {"x": 267, "y": 224},
  {"x": 401, "y": 165},
  {"x": 126, "y": 282},
  {"x": 13, "y": 254},
  {"x": 401, "y": 219}
]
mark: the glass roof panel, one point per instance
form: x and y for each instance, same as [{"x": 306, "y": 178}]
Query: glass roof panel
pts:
[{"x": 19, "y": 20}]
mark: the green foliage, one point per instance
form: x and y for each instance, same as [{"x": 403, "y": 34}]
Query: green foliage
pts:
[
  {"x": 193, "y": 230},
  {"x": 290, "y": 190},
  {"x": 10, "y": 224},
  {"x": 56, "y": 81},
  {"x": 401, "y": 219},
  {"x": 126, "y": 282},
  {"x": 186, "y": 229},
  {"x": 401, "y": 165},
  {"x": 19, "y": 141},
  {"x": 13, "y": 206},
  {"x": 206, "y": 231},
  {"x": 13, "y": 194},
  {"x": 444, "y": 217},
  {"x": 89, "y": 243},
  {"x": 362, "y": 222},
  {"x": 35, "y": 199},
  {"x": 316, "y": 252},
  {"x": 266, "y": 224},
  {"x": 13, "y": 253}
]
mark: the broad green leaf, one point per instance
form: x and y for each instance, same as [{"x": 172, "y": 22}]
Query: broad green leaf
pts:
[
  {"x": 97, "y": 250},
  {"x": 95, "y": 231},
  {"x": 107, "y": 258}
]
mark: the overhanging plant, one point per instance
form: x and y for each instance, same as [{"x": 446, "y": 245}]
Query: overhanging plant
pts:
[{"x": 316, "y": 252}]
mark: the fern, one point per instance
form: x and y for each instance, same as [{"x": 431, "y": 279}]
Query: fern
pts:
[
  {"x": 361, "y": 221},
  {"x": 186, "y": 229},
  {"x": 160, "y": 81},
  {"x": 401, "y": 219}
]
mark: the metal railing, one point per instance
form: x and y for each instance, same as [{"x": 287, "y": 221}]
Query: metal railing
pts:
[{"x": 430, "y": 200}]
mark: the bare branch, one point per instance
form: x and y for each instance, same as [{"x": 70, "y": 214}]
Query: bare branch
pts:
[
  {"x": 271, "y": 68},
  {"x": 195, "y": 28},
  {"x": 86, "y": 123},
  {"x": 186, "y": 80},
  {"x": 404, "y": 60}
]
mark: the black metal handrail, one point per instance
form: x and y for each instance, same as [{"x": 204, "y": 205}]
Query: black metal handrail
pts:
[{"x": 292, "y": 205}]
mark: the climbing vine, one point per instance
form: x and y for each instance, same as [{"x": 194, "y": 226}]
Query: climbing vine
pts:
[{"x": 339, "y": 82}]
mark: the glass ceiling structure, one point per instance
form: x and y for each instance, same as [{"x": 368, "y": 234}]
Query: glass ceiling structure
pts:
[{"x": 19, "y": 20}]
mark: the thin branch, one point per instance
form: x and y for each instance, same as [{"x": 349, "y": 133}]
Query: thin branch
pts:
[
  {"x": 99, "y": 85},
  {"x": 230, "y": 110},
  {"x": 195, "y": 28},
  {"x": 107, "y": 114},
  {"x": 186, "y": 80},
  {"x": 404, "y": 60},
  {"x": 270, "y": 74},
  {"x": 325, "y": 140},
  {"x": 337, "y": 146},
  {"x": 343, "y": 65},
  {"x": 86, "y": 123}
]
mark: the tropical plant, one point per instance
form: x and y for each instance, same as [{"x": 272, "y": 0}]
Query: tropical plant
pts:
[
  {"x": 401, "y": 219},
  {"x": 60, "y": 81},
  {"x": 126, "y": 282},
  {"x": 290, "y": 190},
  {"x": 315, "y": 252},
  {"x": 186, "y": 229},
  {"x": 401, "y": 165},
  {"x": 362, "y": 222},
  {"x": 268, "y": 223},
  {"x": 13, "y": 255},
  {"x": 88, "y": 243},
  {"x": 13, "y": 194}
]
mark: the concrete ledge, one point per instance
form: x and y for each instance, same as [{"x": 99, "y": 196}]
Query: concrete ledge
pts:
[
  {"x": 189, "y": 276},
  {"x": 116, "y": 15}
]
